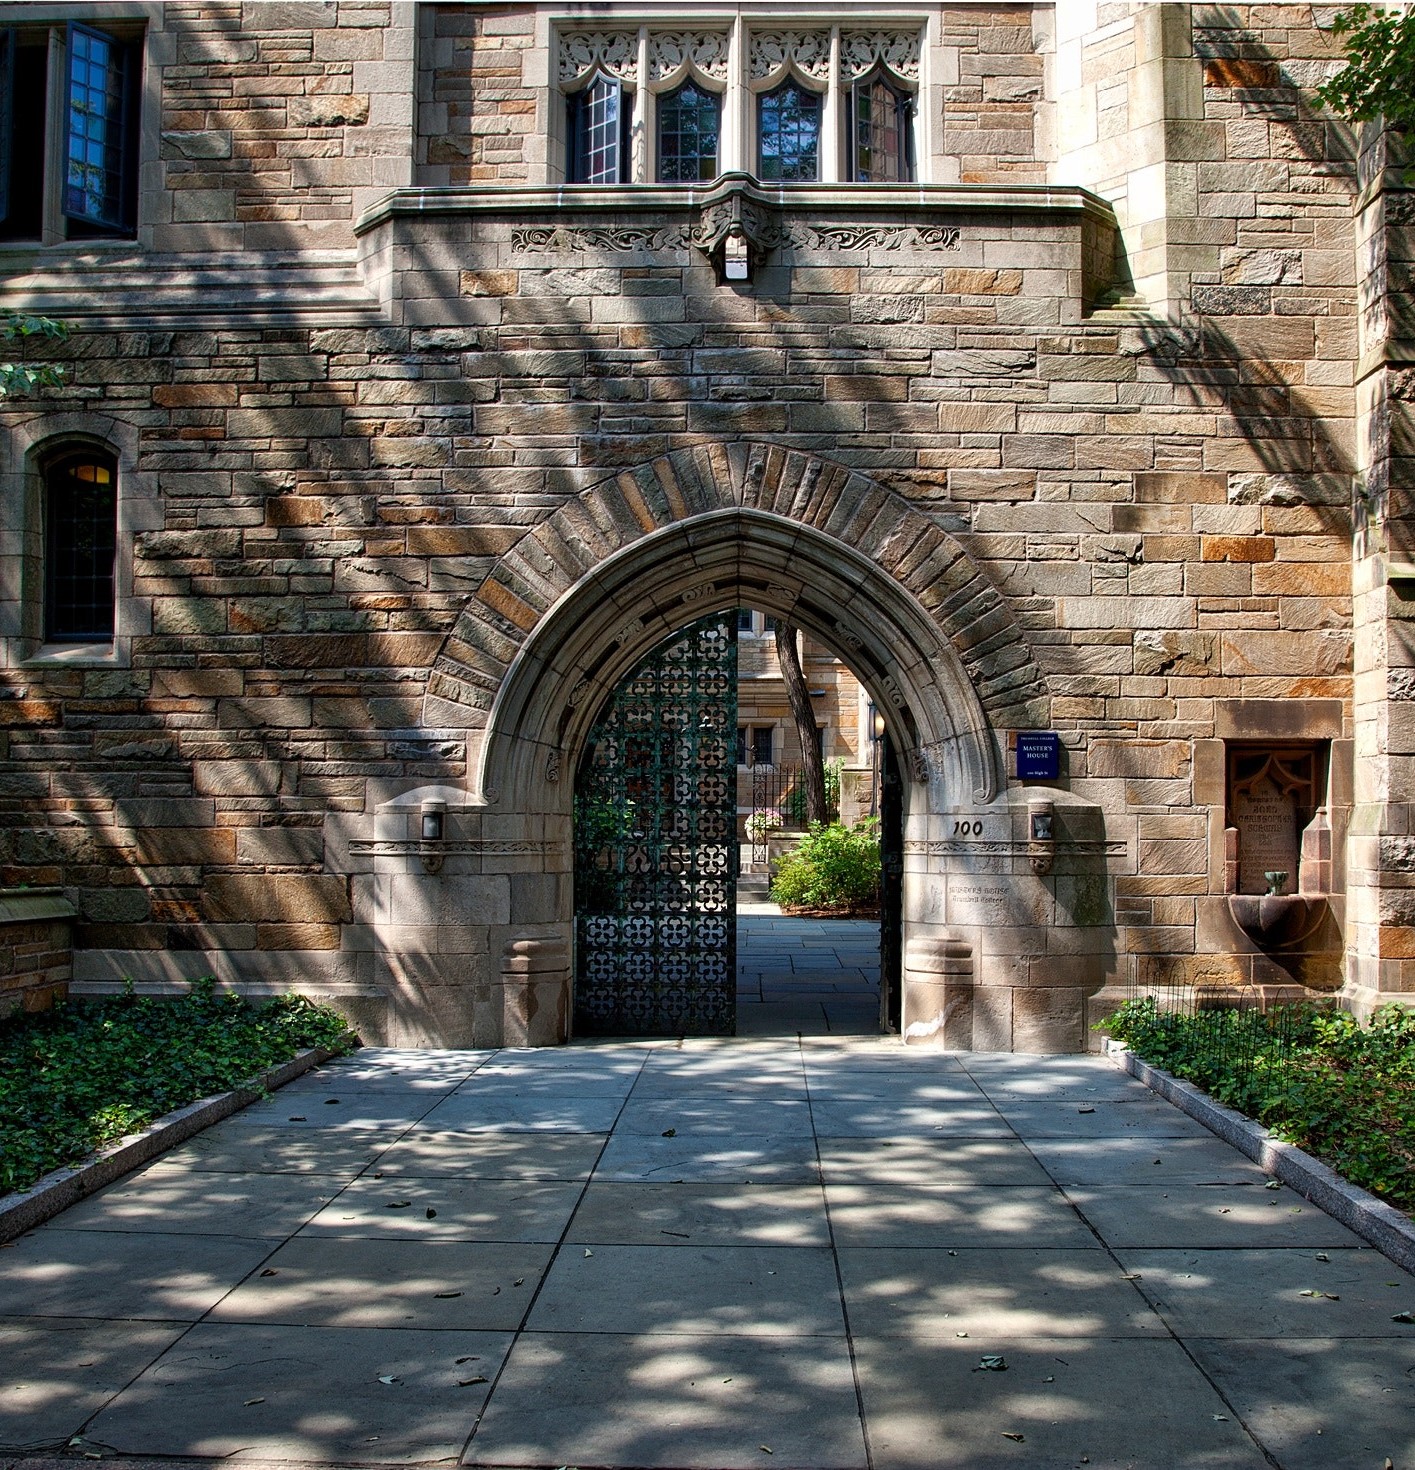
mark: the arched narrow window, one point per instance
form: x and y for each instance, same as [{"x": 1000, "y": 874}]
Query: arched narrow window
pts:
[
  {"x": 597, "y": 131},
  {"x": 80, "y": 543},
  {"x": 789, "y": 135},
  {"x": 689, "y": 122},
  {"x": 880, "y": 132}
]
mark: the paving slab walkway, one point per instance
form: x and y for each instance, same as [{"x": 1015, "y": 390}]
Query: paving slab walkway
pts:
[
  {"x": 807, "y": 1251},
  {"x": 811, "y": 977}
]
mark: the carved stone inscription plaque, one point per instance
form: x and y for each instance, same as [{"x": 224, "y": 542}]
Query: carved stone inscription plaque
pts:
[
  {"x": 992, "y": 904},
  {"x": 1272, "y": 793},
  {"x": 1266, "y": 819}
]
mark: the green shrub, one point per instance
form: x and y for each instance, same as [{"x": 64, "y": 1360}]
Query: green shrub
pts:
[
  {"x": 835, "y": 867},
  {"x": 1317, "y": 1078},
  {"x": 794, "y": 803},
  {"x": 89, "y": 1072}
]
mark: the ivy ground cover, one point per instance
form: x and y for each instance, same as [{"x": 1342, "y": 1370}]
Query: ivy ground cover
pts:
[
  {"x": 1317, "y": 1078},
  {"x": 89, "y": 1072}
]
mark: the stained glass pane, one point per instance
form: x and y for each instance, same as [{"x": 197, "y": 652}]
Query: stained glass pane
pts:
[
  {"x": 688, "y": 125},
  {"x": 880, "y": 136},
  {"x": 596, "y": 133},
  {"x": 80, "y": 543},
  {"x": 788, "y": 135}
]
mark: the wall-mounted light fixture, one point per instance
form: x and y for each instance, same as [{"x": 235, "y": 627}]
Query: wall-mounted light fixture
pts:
[
  {"x": 1041, "y": 835},
  {"x": 431, "y": 834},
  {"x": 877, "y": 724}
]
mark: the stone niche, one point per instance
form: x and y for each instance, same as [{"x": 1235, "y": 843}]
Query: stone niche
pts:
[
  {"x": 1273, "y": 797},
  {"x": 1277, "y": 783}
]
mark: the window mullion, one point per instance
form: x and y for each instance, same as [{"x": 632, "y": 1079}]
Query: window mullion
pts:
[
  {"x": 833, "y": 168},
  {"x": 644, "y": 146},
  {"x": 52, "y": 229},
  {"x": 736, "y": 151}
]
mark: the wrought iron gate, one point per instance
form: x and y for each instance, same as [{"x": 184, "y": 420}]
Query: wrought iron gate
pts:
[{"x": 656, "y": 846}]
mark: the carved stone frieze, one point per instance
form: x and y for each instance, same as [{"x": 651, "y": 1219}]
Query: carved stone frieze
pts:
[
  {"x": 862, "y": 51},
  {"x": 773, "y": 52},
  {"x": 761, "y": 226},
  {"x": 954, "y": 846},
  {"x": 672, "y": 52},
  {"x": 414, "y": 847},
  {"x": 883, "y": 237},
  {"x": 615, "y": 52}
]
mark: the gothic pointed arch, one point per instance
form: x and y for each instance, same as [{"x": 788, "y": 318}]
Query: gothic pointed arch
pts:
[{"x": 566, "y": 612}]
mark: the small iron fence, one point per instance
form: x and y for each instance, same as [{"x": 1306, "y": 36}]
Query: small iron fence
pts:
[
  {"x": 1231, "y": 1039},
  {"x": 778, "y": 799}
]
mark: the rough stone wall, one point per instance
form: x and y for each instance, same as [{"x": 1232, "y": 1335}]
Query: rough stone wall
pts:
[
  {"x": 476, "y": 109},
  {"x": 279, "y": 121},
  {"x": 1164, "y": 506},
  {"x": 36, "y": 953},
  {"x": 989, "y": 114},
  {"x": 1381, "y": 929}
]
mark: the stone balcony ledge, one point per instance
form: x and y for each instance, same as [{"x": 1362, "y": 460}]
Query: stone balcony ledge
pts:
[
  {"x": 1065, "y": 234},
  {"x": 799, "y": 200}
]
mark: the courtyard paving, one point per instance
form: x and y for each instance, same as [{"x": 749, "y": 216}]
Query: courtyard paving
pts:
[
  {"x": 818, "y": 1250},
  {"x": 809, "y": 977}
]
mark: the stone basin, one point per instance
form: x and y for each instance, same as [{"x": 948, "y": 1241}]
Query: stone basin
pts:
[{"x": 1278, "y": 920}]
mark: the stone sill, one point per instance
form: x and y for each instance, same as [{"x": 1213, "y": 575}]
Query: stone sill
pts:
[
  {"x": 71, "y": 655},
  {"x": 126, "y": 286},
  {"x": 1388, "y": 1229},
  {"x": 664, "y": 200},
  {"x": 58, "y": 1190},
  {"x": 27, "y": 905}
]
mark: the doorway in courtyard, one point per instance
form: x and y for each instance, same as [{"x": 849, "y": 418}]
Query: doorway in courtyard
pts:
[{"x": 689, "y": 793}]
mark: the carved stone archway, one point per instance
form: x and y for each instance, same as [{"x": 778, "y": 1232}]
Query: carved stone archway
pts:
[
  {"x": 585, "y": 595},
  {"x": 580, "y": 598}
]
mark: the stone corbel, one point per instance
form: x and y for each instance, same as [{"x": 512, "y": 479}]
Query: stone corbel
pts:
[{"x": 737, "y": 234}]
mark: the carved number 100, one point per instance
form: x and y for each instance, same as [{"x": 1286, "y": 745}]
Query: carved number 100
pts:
[{"x": 967, "y": 829}]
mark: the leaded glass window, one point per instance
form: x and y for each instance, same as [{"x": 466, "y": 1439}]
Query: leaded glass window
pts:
[
  {"x": 96, "y": 171},
  {"x": 7, "y": 116},
  {"x": 598, "y": 132},
  {"x": 789, "y": 135},
  {"x": 689, "y": 122},
  {"x": 80, "y": 543},
  {"x": 880, "y": 126}
]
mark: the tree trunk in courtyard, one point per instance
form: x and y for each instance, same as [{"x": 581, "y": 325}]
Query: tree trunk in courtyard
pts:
[{"x": 812, "y": 769}]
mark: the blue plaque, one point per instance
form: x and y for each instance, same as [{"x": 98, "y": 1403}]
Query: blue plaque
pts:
[{"x": 1038, "y": 755}]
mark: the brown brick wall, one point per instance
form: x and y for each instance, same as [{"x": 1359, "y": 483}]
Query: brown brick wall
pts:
[{"x": 36, "y": 963}]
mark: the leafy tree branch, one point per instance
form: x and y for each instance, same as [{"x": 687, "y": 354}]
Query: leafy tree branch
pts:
[
  {"x": 19, "y": 378},
  {"x": 1378, "y": 79}
]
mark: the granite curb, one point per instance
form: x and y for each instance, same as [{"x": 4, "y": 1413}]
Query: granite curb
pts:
[
  {"x": 1391, "y": 1232},
  {"x": 60, "y": 1188}
]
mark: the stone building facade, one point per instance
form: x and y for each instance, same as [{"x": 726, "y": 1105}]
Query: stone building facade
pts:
[{"x": 1093, "y": 424}]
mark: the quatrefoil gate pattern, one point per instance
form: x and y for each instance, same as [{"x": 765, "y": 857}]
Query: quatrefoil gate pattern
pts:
[{"x": 656, "y": 846}]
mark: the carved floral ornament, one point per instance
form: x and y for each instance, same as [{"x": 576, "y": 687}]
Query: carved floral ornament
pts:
[
  {"x": 615, "y": 52},
  {"x": 771, "y": 54},
  {"x": 774, "y": 53},
  {"x": 671, "y": 54},
  {"x": 862, "y": 51},
  {"x": 807, "y": 52},
  {"x": 674, "y": 52}
]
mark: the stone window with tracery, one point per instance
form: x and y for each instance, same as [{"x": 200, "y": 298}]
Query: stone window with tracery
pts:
[{"x": 830, "y": 104}]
